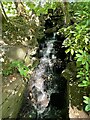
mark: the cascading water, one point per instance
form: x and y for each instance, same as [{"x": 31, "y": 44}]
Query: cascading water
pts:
[
  {"x": 44, "y": 87},
  {"x": 37, "y": 82},
  {"x": 47, "y": 89}
]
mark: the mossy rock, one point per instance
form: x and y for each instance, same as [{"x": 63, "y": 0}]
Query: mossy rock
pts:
[{"x": 70, "y": 72}]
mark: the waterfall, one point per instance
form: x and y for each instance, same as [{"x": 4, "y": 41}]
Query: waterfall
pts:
[
  {"x": 40, "y": 95},
  {"x": 47, "y": 89}
]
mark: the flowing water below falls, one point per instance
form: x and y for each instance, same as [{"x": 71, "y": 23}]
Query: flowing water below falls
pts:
[{"x": 47, "y": 89}]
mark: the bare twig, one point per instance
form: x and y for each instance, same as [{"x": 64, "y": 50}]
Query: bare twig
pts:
[{"x": 4, "y": 13}]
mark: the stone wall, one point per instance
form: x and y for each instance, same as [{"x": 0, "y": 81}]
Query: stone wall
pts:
[{"x": 12, "y": 95}]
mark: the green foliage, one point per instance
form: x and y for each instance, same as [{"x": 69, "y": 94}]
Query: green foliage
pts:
[
  {"x": 7, "y": 71},
  {"x": 16, "y": 65},
  {"x": 77, "y": 43},
  {"x": 10, "y": 8},
  {"x": 83, "y": 63},
  {"x": 77, "y": 38},
  {"x": 38, "y": 9},
  {"x": 87, "y": 101}
]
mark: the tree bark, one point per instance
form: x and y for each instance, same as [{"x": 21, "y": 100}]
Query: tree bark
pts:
[{"x": 67, "y": 20}]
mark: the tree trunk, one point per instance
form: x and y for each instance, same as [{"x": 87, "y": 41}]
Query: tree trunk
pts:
[{"x": 67, "y": 20}]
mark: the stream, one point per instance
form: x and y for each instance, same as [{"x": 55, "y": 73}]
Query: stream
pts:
[{"x": 47, "y": 89}]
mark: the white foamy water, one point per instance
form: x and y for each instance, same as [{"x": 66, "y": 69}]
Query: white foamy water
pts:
[{"x": 43, "y": 97}]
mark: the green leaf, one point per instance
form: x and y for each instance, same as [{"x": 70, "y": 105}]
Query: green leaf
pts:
[
  {"x": 72, "y": 51},
  {"x": 81, "y": 73},
  {"x": 87, "y": 108},
  {"x": 85, "y": 101},
  {"x": 68, "y": 50},
  {"x": 26, "y": 68},
  {"x": 78, "y": 76},
  {"x": 87, "y": 78},
  {"x": 25, "y": 73},
  {"x": 87, "y": 66},
  {"x": 78, "y": 63},
  {"x": 80, "y": 51},
  {"x": 84, "y": 81},
  {"x": 83, "y": 84},
  {"x": 86, "y": 40},
  {"x": 78, "y": 55},
  {"x": 83, "y": 61},
  {"x": 21, "y": 71},
  {"x": 79, "y": 59},
  {"x": 89, "y": 58}
]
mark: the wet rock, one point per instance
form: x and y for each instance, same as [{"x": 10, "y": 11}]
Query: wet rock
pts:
[
  {"x": 69, "y": 72},
  {"x": 50, "y": 30},
  {"x": 74, "y": 112},
  {"x": 16, "y": 52},
  {"x": 58, "y": 66},
  {"x": 22, "y": 53}
]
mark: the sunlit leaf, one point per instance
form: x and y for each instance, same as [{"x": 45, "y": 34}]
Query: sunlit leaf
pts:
[
  {"x": 78, "y": 76},
  {"x": 87, "y": 66},
  {"x": 72, "y": 51},
  {"x": 81, "y": 51},
  {"x": 80, "y": 59},
  {"x": 83, "y": 61},
  {"x": 68, "y": 50},
  {"x": 87, "y": 108},
  {"x": 78, "y": 55}
]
